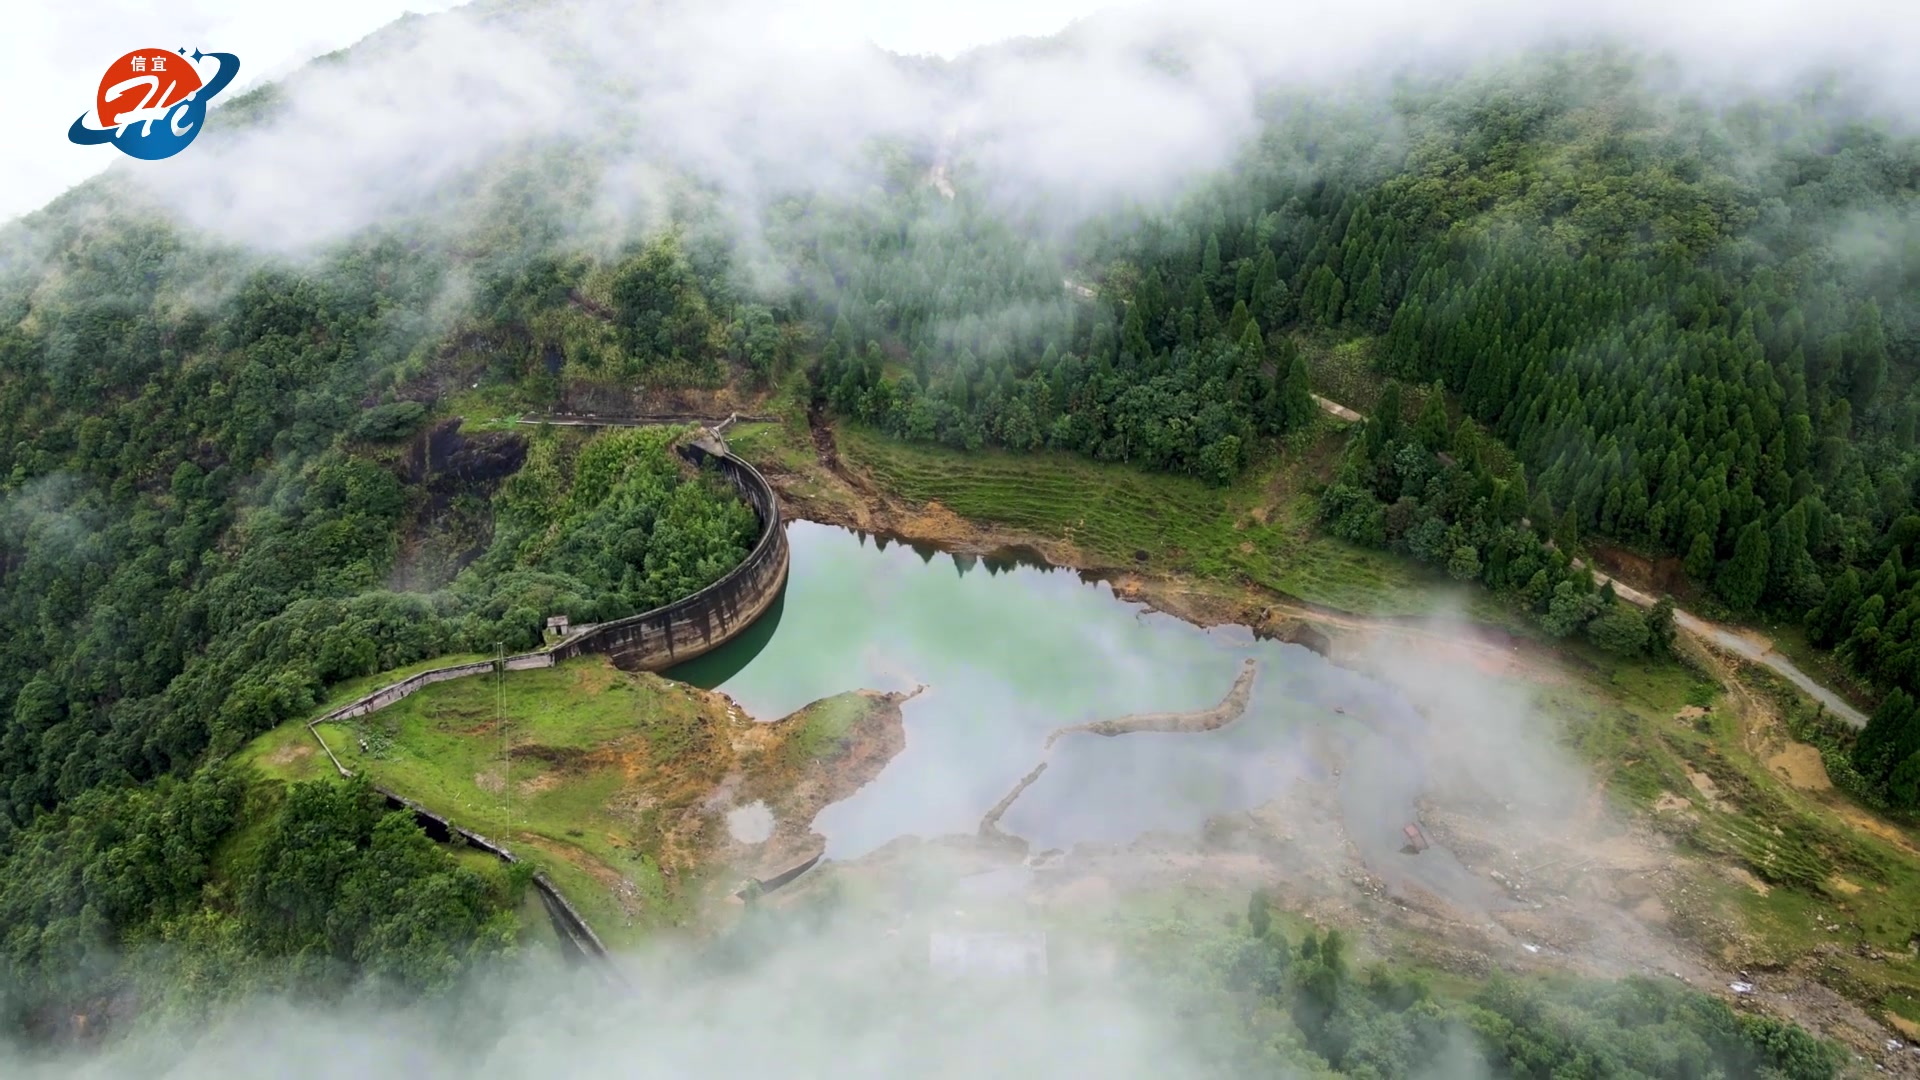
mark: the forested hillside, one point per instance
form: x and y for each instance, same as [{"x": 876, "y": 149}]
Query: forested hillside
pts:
[
  {"x": 209, "y": 519},
  {"x": 1598, "y": 309},
  {"x": 1689, "y": 331}
]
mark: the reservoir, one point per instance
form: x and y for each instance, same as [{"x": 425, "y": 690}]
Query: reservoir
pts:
[{"x": 1011, "y": 650}]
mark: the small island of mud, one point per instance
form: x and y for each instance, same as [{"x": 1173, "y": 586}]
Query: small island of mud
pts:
[{"x": 1218, "y": 716}]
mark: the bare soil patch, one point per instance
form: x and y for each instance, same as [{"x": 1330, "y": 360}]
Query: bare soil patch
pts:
[
  {"x": 1742, "y": 876},
  {"x": 1669, "y": 802},
  {"x": 1704, "y": 785},
  {"x": 290, "y": 753},
  {"x": 1800, "y": 765}
]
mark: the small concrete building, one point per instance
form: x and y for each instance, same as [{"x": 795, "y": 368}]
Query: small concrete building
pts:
[{"x": 1021, "y": 955}]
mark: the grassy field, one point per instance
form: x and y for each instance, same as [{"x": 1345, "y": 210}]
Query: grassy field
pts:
[
  {"x": 600, "y": 777},
  {"x": 581, "y": 735}
]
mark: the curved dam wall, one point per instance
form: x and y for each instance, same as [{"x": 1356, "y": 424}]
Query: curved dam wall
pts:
[
  {"x": 655, "y": 639},
  {"x": 648, "y": 641},
  {"x": 699, "y": 623}
]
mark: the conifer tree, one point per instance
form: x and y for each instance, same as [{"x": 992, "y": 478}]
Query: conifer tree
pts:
[
  {"x": 1744, "y": 577},
  {"x": 1431, "y": 429}
]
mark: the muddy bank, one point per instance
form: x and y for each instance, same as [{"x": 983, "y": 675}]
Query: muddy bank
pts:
[
  {"x": 833, "y": 492},
  {"x": 990, "y": 824},
  {"x": 1219, "y": 716},
  {"x": 795, "y": 771}
]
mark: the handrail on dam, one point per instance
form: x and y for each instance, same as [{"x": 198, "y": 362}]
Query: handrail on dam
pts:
[{"x": 649, "y": 641}]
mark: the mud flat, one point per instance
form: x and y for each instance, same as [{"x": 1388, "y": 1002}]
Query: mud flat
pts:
[
  {"x": 793, "y": 767},
  {"x": 1212, "y": 719}
]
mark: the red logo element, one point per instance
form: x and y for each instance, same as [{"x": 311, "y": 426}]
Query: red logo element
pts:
[{"x": 141, "y": 86}]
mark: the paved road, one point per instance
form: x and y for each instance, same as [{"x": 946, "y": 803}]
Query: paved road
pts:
[{"x": 1337, "y": 409}]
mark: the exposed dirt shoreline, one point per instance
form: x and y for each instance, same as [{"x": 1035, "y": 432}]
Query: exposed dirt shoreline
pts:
[
  {"x": 796, "y": 793},
  {"x": 1617, "y": 904},
  {"x": 1208, "y": 719},
  {"x": 855, "y": 501}
]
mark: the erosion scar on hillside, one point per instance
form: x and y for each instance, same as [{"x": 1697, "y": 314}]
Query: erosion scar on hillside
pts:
[{"x": 1211, "y": 719}]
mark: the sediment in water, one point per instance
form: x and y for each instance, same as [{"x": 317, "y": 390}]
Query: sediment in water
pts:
[
  {"x": 990, "y": 825},
  {"x": 1211, "y": 719}
]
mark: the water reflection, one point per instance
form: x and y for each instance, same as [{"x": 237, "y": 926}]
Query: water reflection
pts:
[{"x": 715, "y": 668}]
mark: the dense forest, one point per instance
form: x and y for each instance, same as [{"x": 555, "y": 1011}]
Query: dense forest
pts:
[
  {"x": 1669, "y": 329},
  {"x": 233, "y": 481},
  {"x": 209, "y": 519}
]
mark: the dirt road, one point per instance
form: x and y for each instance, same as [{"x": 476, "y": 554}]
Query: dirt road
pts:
[{"x": 1747, "y": 644}]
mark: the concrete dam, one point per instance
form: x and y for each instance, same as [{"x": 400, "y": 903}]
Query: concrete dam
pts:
[{"x": 650, "y": 641}]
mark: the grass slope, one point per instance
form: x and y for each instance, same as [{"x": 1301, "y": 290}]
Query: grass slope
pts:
[
  {"x": 1262, "y": 529},
  {"x": 582, "y": 735},
  {"x": 1822, "y": 878},
  {"x": 602, "y": 778}
]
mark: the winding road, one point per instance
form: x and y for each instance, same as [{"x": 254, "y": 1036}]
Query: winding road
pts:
[{"x": 1746, "y": 644}]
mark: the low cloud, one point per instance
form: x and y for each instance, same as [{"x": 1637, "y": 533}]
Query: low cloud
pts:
[{"x": 757, "y": 100}]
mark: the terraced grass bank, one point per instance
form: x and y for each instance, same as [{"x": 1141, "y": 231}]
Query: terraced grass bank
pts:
[{"x": 1112, "y": 517}]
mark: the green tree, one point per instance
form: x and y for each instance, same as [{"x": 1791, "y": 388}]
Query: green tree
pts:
[
  {"x": 1700, "y": 560},
  {"x": 1297, "y": 407},
  {"x": 1464, "y": 563},
  {"x": 1621, "y": 629},
  {"x": 1259, "y": 913},
  {"x": 1569, "y": 609},
  {"x": 1433, "y": 430},
  {"x": 1660, "y": 625},
  {"x": 1744, "y": 577}
]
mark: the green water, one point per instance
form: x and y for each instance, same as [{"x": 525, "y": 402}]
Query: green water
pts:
[{"x": 1009, "y": 652}]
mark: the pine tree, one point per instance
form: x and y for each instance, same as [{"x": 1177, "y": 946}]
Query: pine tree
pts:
[
  {"x": 1829, "y": 623},
  {"x": 1269, "y": 299},
  {"x": 1744, "y": 577},
  {"x": 1206, "y": 320},
  {"x": 1237, "y": 322},
  {"x": 1699, "y": 561},
  {"x": 1431, "y": 429},
  {"x": 1336, "y": 302},
  {"x": 1866, "y": 355},
  {"x": 1384, "y": 425},
  {"x": 1788, "y": 543},
  {"x": 1660, "y": 625},
  {"x": 1367, "y": 307},
  {"x": 1296, "y": 396},
  {"x": 1566, "y": 531},
  {"x": 1891, "y": 735},
  {"x": 1253, "y": 346}
]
